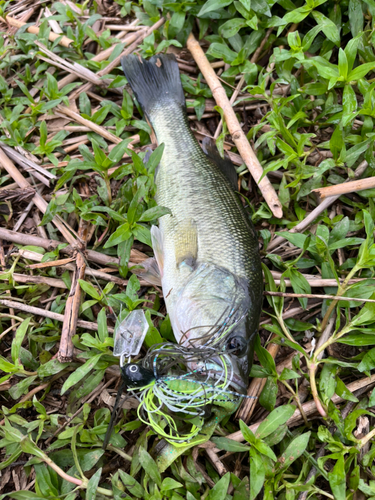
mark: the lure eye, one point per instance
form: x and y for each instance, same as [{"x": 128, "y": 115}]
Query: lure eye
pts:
[
  {"x": 136, "y": 376},
  {"x": 237, "y": 346}
]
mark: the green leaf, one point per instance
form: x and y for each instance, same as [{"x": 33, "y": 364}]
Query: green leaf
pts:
[
  {"x": 360, "y": 71},
  {"x": 84, "y": 104},
  {"x": 102, "y": 325},
  {"x": 231, "y": 27},
  {"x": 357, "y": 339},
  {"x": 149, "y": 466},
  {"x": 275, "y": 419},
  {"x": 265, "y": 358},
  {"x": 93, "y": 485},
  {"x": 154, "y": 213},
  {"x": 355, "y": 16},
  {"x": 118, "y": 151},
  {"x": 211, "y": 5},
  {"x": 23, "y": 495},
  {"x": 337, "y": 479},
  {"x": 294, "y": 450},
  {"x": 269, "y": 393},
  {"x": 296, "y": 239},
  {"x": 170, "y": 484},
  {"x": 127, "y": 106},
  {"x": 89, "y": 289},
  {"x": 142, "y": 234},
  {"x": 349, "y": 102},
  {"x": 328, "y": 27},
  {"x": 343, "y": 392},
  {"x": 80, "y": 372},
  {"x": 99, "y": 116},
  {"x": 343, "y": 64},
  {"x": 132, "y": 485},
  {"x": 288, "y": 374},
  {"x": 257, "y": 474},
  {"x": 221, "y": 51},
  {"x": 368, "y": 361},
  {"x": 18, "y": 339},
  {"x": 219, "y": 491},
  {"x": 229, "y": 444},
  {"x": 7, "y": 367},
  {"x": 155, "y": 158},
  {"x": 121, "y": 234}
]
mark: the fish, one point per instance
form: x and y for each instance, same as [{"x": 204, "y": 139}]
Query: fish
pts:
[
  {"x": 206, "y": 259},
  {"x": 206, "y": 249}
]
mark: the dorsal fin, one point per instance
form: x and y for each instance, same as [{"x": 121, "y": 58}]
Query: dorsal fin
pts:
[{"x": 225, "y": 165}]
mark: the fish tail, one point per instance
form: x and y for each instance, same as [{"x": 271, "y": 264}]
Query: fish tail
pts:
[{"x": 156, "y": 82}]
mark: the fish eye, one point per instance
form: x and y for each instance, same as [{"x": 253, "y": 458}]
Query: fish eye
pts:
[
  {"x": 133, "y": 368},
  {"x": 237, "y": 346}
]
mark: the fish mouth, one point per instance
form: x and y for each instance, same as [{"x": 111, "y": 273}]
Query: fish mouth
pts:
[{"x": 215, "y": 371}]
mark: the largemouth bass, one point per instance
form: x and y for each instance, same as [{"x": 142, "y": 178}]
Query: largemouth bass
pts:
[{"x": 207, "y": 250}]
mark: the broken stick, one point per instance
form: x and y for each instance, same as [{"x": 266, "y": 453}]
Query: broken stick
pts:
[
  {"x": 65, "y": 354},
  {"x": 64, "y": 40},
  {"x": 345, "y": 187},
  {"x": 255, "y": 389},
  {"x": 37, "y": 199},
  {"x": 238, "y": 136}
]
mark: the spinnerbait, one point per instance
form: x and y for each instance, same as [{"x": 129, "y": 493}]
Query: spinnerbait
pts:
[{"x": 175, "y": 385}]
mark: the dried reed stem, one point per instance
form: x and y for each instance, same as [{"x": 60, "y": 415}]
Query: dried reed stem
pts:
[
  {"x": 64, "y": 41},
  {"x": 234, "y": 127}
]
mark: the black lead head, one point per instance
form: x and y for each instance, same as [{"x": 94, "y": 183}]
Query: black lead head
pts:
[{"x": 135, "y": 375}]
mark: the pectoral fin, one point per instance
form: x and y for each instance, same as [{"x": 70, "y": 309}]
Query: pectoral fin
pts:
[
  {"x": 150, "y": 272},
  {"x": 158, "y": 247},
  {"x": 186, "y": 243}
]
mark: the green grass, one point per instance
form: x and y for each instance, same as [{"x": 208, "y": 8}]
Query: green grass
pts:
[{"x": 312, "y": 124}]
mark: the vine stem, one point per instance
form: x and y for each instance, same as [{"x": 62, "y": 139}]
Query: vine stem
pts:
[
  {"x": 341, "y": 290},
  {"x": 313, "y": 363},
  {"x": 314, "y": 390},
  {"x": 297, "y": 400},
  {"x": 79, "y": 482}
]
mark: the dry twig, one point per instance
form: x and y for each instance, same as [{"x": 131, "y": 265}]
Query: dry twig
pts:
[{"x": 234, "y": 127}]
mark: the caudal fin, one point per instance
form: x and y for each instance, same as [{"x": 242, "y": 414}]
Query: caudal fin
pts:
[{"x": 155, "y": 82}]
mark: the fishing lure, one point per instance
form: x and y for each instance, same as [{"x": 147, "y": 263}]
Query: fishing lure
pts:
[{"x": 176, "y": 385}]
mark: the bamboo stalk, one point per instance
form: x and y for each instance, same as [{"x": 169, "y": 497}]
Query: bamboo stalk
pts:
[
  {"x": 345, "y": 187},
  {"x": 65, "y": 354},
  {"x": 36, "y": 311},
  {"x": 234, "y": 127},
  {"x": 64, "y": 41}
]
